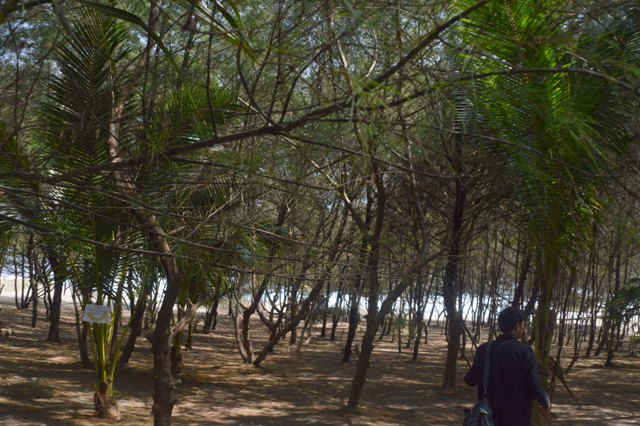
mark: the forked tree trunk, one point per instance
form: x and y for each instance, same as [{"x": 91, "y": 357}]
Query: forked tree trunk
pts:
[
  {"x": 244, "y": 342},
  {"x": 421, "y": 326},
  {"x": 375, "y": 315},
  {"x": 353, "y": 324},
  {"x": 303, "y": 313},
  {"x": 243, "y": 321}
]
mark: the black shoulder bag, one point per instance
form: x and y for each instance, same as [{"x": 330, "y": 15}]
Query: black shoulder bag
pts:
[{"x": 481, "y": 414}]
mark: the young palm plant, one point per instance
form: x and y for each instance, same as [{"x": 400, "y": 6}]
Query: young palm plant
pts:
[{"x": 76, "y": 120}]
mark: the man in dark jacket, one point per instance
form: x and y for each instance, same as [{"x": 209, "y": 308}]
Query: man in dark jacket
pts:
[{"x": 513, "y": 374}]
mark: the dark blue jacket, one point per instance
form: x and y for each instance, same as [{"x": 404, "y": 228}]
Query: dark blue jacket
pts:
[{"x": 513, "y": 380}]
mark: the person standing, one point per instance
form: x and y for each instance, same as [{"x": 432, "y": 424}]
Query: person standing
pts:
[{"x": 513, "y": 374}]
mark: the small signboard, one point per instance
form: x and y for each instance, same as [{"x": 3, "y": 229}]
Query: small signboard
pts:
[{"x": 97, "y": 313}]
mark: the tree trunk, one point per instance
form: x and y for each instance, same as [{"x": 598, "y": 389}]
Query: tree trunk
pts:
[
  {"x": 33, "y": 282},
  {"x": 82, "y": 329},
  {"x": 58, "y": 267},
  {"x": 418, "y": 337},
  {"x": 354, "y": 307},
  {"x": 136, "y": 328},
  {"x": 293, "y": 307},
  {"x": 336, "y": 313},
  {"x": 522, "y": 278},
  {"x": 353, "y": 324},
  {"x": 164, "y": 391},
  {"x": 454, "y": 331},
  {"x": 301, "y": 314},
  {"x": 422, "y": 306},
  {"x": 325, "y": 310},
  {"x": 177, "y": 364},
  {"x": 104, "y": 405},
  {"x": 211, "y": 320},
  {"x": 24, "y": 298},
  {"x": 15, "y": 276},
  {"x": 544, "y": 323},
  {"x": 360, "y": 377}
]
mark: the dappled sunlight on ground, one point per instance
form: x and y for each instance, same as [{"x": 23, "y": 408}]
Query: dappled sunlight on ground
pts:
[{"x": 44, "y": 383}]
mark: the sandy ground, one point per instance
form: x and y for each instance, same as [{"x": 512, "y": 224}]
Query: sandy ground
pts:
[{"x": 43, "y": 383}]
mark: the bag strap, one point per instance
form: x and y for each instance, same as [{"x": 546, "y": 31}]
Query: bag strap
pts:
[{"x": 487, "y": 362}]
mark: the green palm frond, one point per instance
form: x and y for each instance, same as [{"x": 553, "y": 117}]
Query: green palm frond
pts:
[
  {"x": 626, "y": 301},
  {"x": 186, "y": 118},
  {"x": 80, "y": 95},
  {"x": 561, "y": 130}
]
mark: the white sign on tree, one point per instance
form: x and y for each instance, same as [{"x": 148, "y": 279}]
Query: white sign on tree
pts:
[{"x": 97, "y": 313}]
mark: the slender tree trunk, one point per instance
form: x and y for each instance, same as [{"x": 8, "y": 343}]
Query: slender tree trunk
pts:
[
  {"x": 33, "y": 282},
  {"x": 325, "y": 310},
  {"x": 577, "y": 339},
  {"x": 354, "y": 308},
  {"x": 562, "y": 330},
  {"x": 136, "y": 327},
  {"x": 58, "y": 268},
  {"x": 336, "y": 313},
  {"x": 82, "y": 329},
  {"x": 421, "y": 326},
  {"x": 522, "y": 279},
  {"x": 293, "y": 308},
  {"x": 15, "y": 276},
  {"x": 614, "y": 323},
  {"x": 353, "y": 321},
  {"x": 211, "y": 321},
  {"x": 364, "y": 361},
  {"x": 591, "y": 279},
  {"x": 43, "y": 276},
  {"x": 24, "y": 298},
  {"x": 454, "y": 331},
  {"x": 164, "y": 397},
  {"x": 544, "y": 323}
]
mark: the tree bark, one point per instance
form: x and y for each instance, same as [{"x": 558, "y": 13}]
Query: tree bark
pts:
[
  {"x": 136, "y": 327},
  {"x": 454, "y": 330},
  {"x": 33, "y": 282},
  {"x": 59, "y": 275}
]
